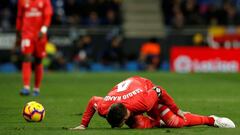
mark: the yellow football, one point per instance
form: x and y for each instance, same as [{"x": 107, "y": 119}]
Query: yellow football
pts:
[{"x": 33, "y": 112}]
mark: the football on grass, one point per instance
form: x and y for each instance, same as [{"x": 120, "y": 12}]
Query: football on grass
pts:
[{"x": 33, "y": 112}]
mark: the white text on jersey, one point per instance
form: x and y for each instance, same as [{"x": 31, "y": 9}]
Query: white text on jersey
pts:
[{"x": 123, "y": 97}]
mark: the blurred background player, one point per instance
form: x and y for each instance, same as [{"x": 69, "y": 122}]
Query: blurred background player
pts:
[
  {"x": 128, "y": 100},
  {"x": 33, "y": 20},
  {"x": 150, "y": 54}
]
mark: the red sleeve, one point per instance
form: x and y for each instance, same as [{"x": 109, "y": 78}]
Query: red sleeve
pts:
[
  {"x": 166, "y": 99},
  {"x": 47, "y": 13},
  {"x": 90, "y": 110},
  {"x": 19, "y": 16}
]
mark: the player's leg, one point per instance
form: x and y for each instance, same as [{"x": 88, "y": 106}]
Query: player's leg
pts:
[
  {"x": 38, "y": 75},
  {"x": 195, "y": 119},
  {"x": 154, "y": 114},
  {"x": 39, "y": 55},
  {"x": 27, "y": 49},
  {"x": 173, "y": 120}
]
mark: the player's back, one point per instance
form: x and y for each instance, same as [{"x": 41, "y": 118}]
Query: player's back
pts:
[
  {"x": 133, "y": 93},
  {"x": 130, "y": 85}
]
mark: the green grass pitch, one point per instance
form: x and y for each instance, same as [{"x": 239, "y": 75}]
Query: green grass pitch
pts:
[{"x": 65, "y": 96}]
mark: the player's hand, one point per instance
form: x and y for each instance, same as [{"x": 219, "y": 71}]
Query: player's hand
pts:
[
  {"x": 181, "y": 114},
  {"x": 81, "y": 127},
  {"x": 43, "y": 32}
]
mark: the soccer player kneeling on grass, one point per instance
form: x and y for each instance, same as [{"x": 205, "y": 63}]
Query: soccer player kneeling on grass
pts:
[{"x": 128, "y": 100}]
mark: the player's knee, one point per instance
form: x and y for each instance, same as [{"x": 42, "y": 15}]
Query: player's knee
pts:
[
  {"x": 27, "y": 58},
  {"x": 38, "y": 61}
]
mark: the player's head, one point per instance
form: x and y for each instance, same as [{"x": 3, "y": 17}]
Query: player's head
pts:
[{"x": 117, "y": 115}]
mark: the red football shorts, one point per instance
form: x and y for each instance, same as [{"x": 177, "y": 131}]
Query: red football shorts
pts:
[{"x": 34, "y": 46}]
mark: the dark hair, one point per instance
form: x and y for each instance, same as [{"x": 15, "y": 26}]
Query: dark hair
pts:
[{"x": 116, "y": 114}]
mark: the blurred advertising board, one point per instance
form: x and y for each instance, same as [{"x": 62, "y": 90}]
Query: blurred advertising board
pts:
[
  {"x": 204, "y": 59},
  {"x": 7, "y": 41}
]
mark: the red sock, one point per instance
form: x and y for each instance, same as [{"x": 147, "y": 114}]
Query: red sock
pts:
[
  {"x": 38, "y": 76},
  {"x": 193, "y": 119},
  {"x": 26, "y": 74}
]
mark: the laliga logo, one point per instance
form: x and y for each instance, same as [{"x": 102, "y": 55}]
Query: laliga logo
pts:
[{"x": 183, "y": 64}]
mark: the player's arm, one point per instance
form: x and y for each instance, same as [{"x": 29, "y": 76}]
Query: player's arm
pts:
[
  {"x": 19, "y": 16},
  {"x": 48, "y": 11},
  {"x": 168, "y": 100},
  {"x": 47, "y": 17},
  {"x": 19, "y": 23},
  {"x": 89, "y": 112}
]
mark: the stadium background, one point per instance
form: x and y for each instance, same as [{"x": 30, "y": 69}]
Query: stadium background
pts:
[{"x": 99, "y": 23}]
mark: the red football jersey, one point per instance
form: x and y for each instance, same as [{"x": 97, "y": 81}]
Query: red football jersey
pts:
[
  {"x": 32, "y": 15},
  {"x": 135, "y": 93}
]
